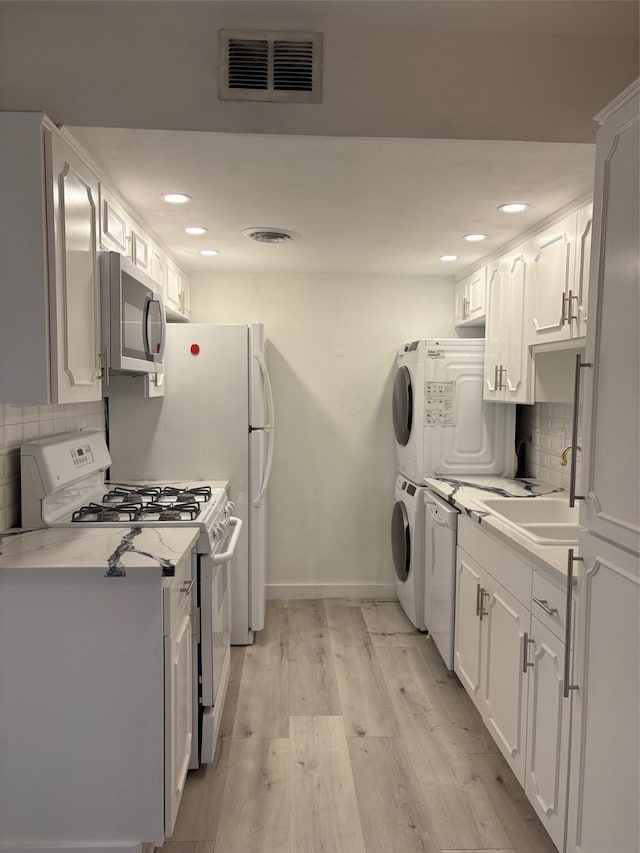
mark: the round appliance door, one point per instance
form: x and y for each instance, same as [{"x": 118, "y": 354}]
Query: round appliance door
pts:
[
  {"x": 402, "y": 405},
  {"x": 401, "y": 541}
]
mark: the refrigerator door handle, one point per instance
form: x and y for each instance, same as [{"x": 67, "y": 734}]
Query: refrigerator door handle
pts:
[
  {"x": 267, "y": 384},
  {"x": 266, "y": 474}
]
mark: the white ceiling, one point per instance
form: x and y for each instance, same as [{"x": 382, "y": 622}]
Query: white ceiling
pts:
[{"x": 374, "y": 206}]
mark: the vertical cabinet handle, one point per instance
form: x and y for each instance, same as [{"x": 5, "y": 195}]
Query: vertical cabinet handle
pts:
[
  {"x": 573, "y": 497},
  {"x": 563, "y": 312},
  {"x": 478, "y": 588},
  {"x": 495, "y": 379},
  {"x": 571, "y": 559},
  {"x": 105, "y": 366},
  {"x": 570, "y": 299},
  {"x": 482, "y": 612},
  {"x": 525, "y": 646}
]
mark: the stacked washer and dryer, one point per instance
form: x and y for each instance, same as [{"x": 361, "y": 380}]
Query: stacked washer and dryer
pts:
[{"x": 443, "y": 428}]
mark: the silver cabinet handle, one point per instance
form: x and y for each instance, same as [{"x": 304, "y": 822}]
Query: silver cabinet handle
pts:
[
  {"x": 542, "y": 602},
  {"x": 478, "y": 588},
  {"x": 482, "y": 612},
  {"x": 525, "y": 662},
  {"x": 465, "y": 308},
  {"x": 563, "y": 318},
  {"x": 495, "y": 379},
  {"x": 188, "y": 586},
  {"x": 501, "y": 372},
  {"x": 105, "y": 366},
  {"x": 574, "y": 430},
  {"x": 571, "y": 559},
  {"x": 570, "y": 299}
]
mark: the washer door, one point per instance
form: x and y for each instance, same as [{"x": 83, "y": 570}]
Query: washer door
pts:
[
  {"x": 401, "y": 541},
  {"x": 402, "y": 405}
]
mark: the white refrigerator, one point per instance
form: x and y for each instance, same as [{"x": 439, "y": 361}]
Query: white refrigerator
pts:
[{"x": 216, "y": 421}]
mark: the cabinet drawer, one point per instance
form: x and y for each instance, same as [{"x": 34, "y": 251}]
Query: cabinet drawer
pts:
[
  {"x": 179, "y": 593},
  {"x": 547, "y": 594},
  {"x": 499, "y": 560}
]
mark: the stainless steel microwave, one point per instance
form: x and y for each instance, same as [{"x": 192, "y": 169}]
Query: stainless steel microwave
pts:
[{"x": 133, "y": 318}]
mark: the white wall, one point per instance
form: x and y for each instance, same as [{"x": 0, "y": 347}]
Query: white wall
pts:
[
  {"x": 331, "y": 352},
  {"x": 466, "y": 70}
]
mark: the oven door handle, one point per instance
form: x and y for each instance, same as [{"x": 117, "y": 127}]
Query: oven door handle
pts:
[{"x": 227, "y": 555}]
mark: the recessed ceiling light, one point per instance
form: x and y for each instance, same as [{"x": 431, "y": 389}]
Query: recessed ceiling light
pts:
[
  {"x": 475, "y": 238},
  {"x": 195, "y": 229},
  {"x": 448, "y": 257},
  {"x": 209, "y": 252},
  {"x": 513, "y": 207},
  {"x": 176, "y": 198}
]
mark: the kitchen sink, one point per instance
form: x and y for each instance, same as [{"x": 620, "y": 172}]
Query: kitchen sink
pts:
[{"x": 546, "y": 521}]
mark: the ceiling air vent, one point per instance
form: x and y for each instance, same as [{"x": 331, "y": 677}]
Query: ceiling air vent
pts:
[
  {"x": 257, "y": 65},
  {"x": 270, "y": 235}
]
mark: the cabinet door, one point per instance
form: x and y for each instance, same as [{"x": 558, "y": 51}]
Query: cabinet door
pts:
[
  {"x": 517, "y": 366},
  {"x": 605, "y": 738},
  {"x": 611, "y": 457},
  {"x": 140, "y": 254},
  {"x": 114, "y": 225},
  {"x": 178, "y": 716},
  {"x": 157, "y": 267},
  {"x": 504, "y": 681},
  {"x": 580, "y": 295},
  {"x": 460, "y": 302},
  {"x": 552, "y": 275},
  {"x": 494, "y": 345},
  {"x": 476, "y": 286},
  {"x": 547, "y": 732},
  {"x": 468, "y": 631},
  {"x": 172, "y": 290},
  {"x": 185, "y": 296},
  {"x": 74, "y": 285}
]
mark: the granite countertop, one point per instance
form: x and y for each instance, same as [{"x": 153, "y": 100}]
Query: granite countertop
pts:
[
  {"x": 116, "y": 550},
  {"x": 465, "y": 494}
]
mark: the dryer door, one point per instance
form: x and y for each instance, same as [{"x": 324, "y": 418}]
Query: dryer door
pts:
[
  {"x": 401, "y": 541},
  {"x": 402, "y": 405}
]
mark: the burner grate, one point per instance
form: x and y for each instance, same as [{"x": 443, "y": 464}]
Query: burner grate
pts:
[{"x": 98, "y": 512}]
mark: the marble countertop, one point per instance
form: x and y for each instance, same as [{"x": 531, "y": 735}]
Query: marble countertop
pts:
[
  {"x": 115, "y": 550},
  {"x": 466, "y": 493}
]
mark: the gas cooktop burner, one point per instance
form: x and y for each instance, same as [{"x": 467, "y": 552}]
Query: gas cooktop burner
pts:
[
  {"x": 172, "y": 512},
  {"x": 98, "y": 512},
  {"x": 167, "y": 495}
]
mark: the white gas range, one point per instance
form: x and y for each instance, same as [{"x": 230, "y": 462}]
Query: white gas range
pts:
[{"x": 63, "y": 485}]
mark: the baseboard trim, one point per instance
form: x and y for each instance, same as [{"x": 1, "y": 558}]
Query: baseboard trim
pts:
[{"x": 378, "y": 591}]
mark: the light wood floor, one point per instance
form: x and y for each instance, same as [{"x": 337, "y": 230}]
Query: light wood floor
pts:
[{"x": 344, "y": 733}]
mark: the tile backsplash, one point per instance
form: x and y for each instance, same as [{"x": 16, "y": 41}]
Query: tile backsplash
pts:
[
  {"x": 19, "y": 424},
  {"x": 550, "y": 425}
]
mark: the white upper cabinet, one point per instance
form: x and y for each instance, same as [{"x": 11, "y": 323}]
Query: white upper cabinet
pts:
[
  {"x": 115, "y": 224},
  {"x": 177, "y": 293},
  {"x": 559, "y": 279},
  {"x": 49, "y": 310},
  {"x": 611, "y": 446},
  {"x": 508, "y": 366},
  {"x": 75, "y": 306},
  {"x": 552, "y": 275},
  {"x": 470, "y": 308}
]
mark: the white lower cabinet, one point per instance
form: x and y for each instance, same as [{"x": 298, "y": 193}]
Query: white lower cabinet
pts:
[
  {"x": 178, "y": 718},
  {"x": 511, "y": 664},
  {"x": 547, "y": 731},
  {"x": 468, "y": 627},
  {"x": 505, "y": 677}
]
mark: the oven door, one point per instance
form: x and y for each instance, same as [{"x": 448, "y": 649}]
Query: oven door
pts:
[
  {"x": 215, "y": 615},
  {"x": 134, "y": 322}
]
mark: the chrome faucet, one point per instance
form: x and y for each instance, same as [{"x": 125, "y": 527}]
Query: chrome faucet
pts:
[{"x": 564, "y": 458}]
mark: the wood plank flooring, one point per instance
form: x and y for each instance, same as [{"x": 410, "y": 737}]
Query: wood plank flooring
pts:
[{"x": 343, "y": 732}]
